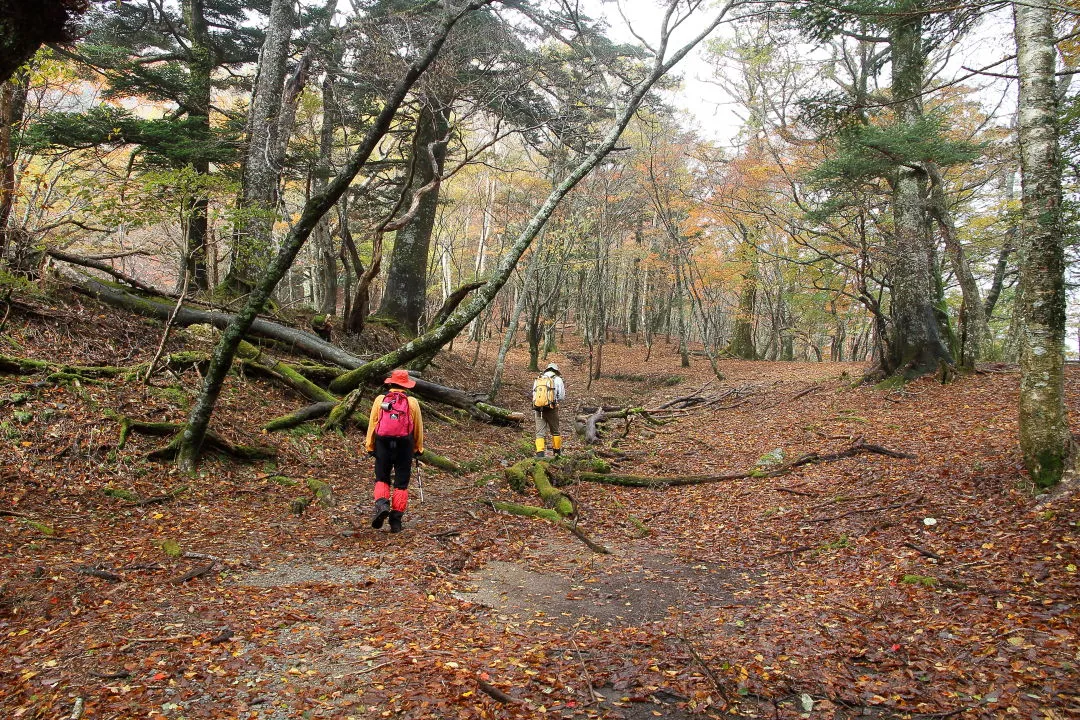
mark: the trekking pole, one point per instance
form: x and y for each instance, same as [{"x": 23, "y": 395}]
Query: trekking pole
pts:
[{"x": 419, "y": 480}]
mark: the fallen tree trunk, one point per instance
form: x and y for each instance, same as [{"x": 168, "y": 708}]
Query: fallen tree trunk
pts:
[
  {"x": 59, "y": 372},
  {"x": 284, "y": 372},
  {"x": 301, "y": 416},
  {"x": 309, "y": 343},
  {"x": 601, "y": 414},
  {"x": 103, "y": 267}
]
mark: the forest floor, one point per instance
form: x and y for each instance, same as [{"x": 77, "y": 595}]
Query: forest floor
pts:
[{"x": 870, "y": 586}]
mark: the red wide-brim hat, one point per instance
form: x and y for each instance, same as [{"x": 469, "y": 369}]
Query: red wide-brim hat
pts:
[{"x": 400, "y": 378}]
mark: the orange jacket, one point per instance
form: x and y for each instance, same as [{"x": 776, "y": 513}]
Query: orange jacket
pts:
[{"x": 417, "y": 423}]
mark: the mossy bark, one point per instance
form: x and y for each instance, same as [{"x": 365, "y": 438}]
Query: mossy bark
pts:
[
  {"x": 322, "y": 491},
  {"x": 301, "y": 416}
]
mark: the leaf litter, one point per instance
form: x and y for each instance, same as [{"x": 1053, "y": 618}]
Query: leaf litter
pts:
[{"x": 822, "y": 592}]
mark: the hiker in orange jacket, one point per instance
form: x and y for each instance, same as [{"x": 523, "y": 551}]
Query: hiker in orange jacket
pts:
[{"x": 395, "y": 435}]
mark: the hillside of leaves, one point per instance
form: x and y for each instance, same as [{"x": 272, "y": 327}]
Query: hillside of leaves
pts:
[{"x": 936, "y": 585}]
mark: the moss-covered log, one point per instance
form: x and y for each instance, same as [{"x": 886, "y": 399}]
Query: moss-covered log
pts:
[
  {"x": 251, "y": 355},
  {"x": 317, "y": 373},
  {"x": 517, "y": 475},
  {"x": 301, "y": 416},
  {"x": 346, "y": 409},
  {"x": 59, "y": 372},
  {"x": 551, "y": 497},
  {"x": 528, "y": 511},
  {"x": 503, "y": 414},
  {"x": 443, "y": 463}
]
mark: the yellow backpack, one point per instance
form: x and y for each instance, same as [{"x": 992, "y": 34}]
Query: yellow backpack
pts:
[{"x": 544, "y": 392}]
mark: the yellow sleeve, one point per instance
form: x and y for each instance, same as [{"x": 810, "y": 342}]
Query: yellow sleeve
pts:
[
  {"x": 373, "y": 420},
  {"x": 418, "y": 425}
]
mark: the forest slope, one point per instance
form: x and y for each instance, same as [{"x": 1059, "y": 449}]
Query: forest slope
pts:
[{"x": 868, "y": 586}]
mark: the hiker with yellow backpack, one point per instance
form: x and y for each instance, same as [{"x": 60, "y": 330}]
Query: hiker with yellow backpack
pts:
[{"x": 548, "y": 391}]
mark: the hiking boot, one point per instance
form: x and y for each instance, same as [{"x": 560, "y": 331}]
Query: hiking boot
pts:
[
  {"x": 382, "y": 509},
  {"x": 540, "y": 455},
  {"x": 395, "y": 521}
]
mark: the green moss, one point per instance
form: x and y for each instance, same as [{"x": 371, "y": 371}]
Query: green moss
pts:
[
  {"x": 171, "y": 548},
  {"x": 920, "y": 580},
  {"x": 839, "y": 543},
  {"x": 174, "y": 394},
  {"x": 40, "y": 527},
  {"x": 526, "y": 447},
  {"x": 121, "y": 494},
  {"x": 893, "y": 382},
  {"x": 305, "y": 430},
  {"x": 599, "y": 465},
  {"x": 671, "y": 380},
  {"x": 516, "y": 475},
  {"x": 283, "y": 481},
  {"x": 641, "y": 528},
  {"x": 1048, "y": 468}
]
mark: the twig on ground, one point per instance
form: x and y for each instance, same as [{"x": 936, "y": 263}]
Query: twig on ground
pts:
[
  {"x": 865, "y": 510},
  {"x": 103, "y": 574},
  {"x": 923, "y": 551},
  {"x": 496, "y": 693},
  {"x": 708, "y": 671},
  {"x": 584, "y": 672},
  {"x": 194, "y": 573}
]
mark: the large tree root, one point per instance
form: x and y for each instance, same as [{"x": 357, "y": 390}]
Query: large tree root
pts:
[
  {"x": 553, "y": 517},
  {"x": 213, "y": 442},
  {"x": 857, "y": 448},
  {"x": 558, "y": 507},
  {"x": 320, "y": 492}
]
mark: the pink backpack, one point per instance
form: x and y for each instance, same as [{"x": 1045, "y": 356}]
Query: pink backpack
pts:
[{"x": 395, "y": 420}]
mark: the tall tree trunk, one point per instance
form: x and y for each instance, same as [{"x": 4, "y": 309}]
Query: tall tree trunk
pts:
[
  {"x": 1044, "y": 432},
  {"x": 742, "y": 334},
  {"x": 916, "y": 346},
  {"x": 198, "y": 422},
  {"x": 196, "y": 220},
  {"x": 405, "y": 294},
  {"x": 973, "y": 329},
  {"x": 262, "y": 166},
  {"x": 325, "y": 258},
  {"x": 680, "y": 297},
  {"x": 12, "y": 106}
]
